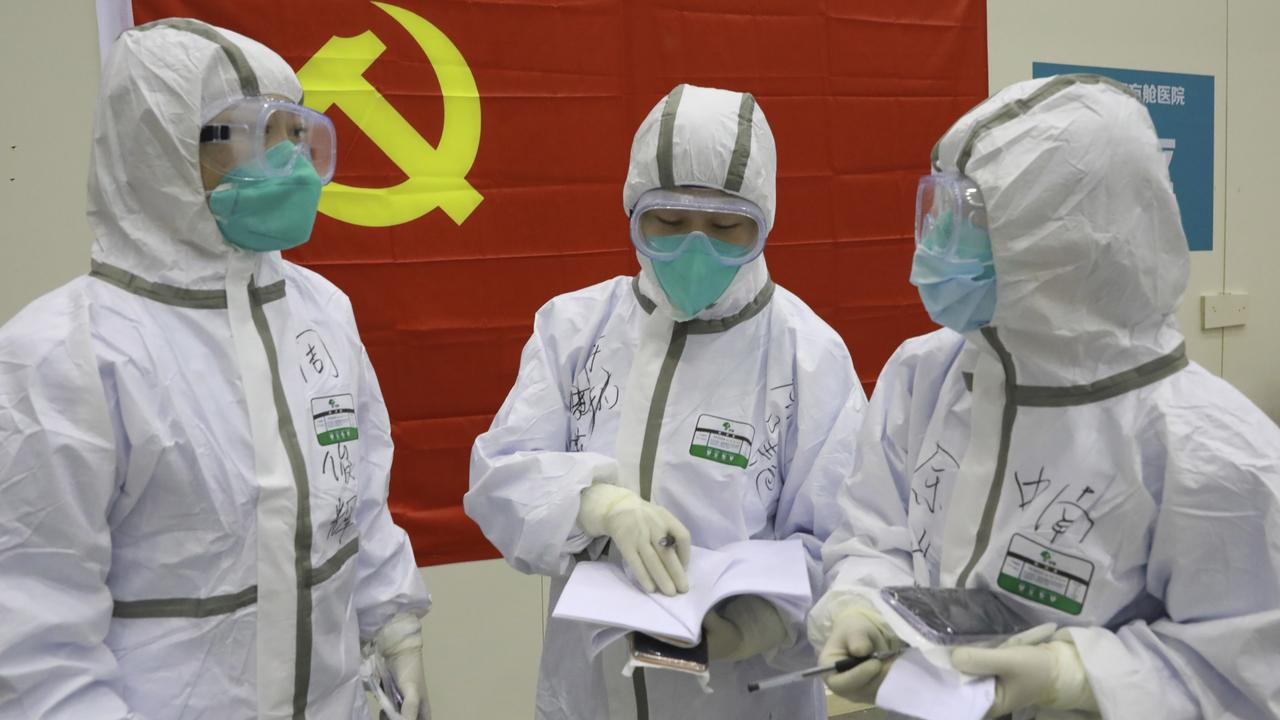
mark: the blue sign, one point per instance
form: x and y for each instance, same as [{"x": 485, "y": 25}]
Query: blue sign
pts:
[{"x": 1181, "y": 108}]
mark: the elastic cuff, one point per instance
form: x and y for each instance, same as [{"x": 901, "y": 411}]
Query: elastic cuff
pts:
[
  {"x": 577, "y": 541},
  {"x": 594, "y": 504},
  {"x": 823, "y": 616},
  {"x": 605, "y": 474},
  {"x": 764, "y": 618},
  {"x": 402, "y": 632}
]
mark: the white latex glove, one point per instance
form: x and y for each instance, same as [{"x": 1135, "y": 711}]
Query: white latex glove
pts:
[
  {"x": 637, "y": 528},
  {"x": 743, "y": 626},
  {"x": 1046, "y": 675},
  {"x": 400, "y": 643},
  {"x": 858, "y": 632}
]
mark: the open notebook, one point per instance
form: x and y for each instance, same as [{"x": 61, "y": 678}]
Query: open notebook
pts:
[{"x": 600, "y": 592}]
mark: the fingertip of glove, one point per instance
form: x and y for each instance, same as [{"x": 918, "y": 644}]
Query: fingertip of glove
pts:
[
  {"x": 968, "y": 660},
  {"x": 856, "y": 679}
]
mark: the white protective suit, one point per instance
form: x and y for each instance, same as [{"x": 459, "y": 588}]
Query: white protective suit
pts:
[
  {"x": 612, "y": 389},
  {"x": 194, "y": 451},
  {"x": 1093, "y": 475}
]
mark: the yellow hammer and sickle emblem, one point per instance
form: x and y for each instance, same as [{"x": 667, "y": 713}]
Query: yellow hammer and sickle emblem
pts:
[{"x": 437, "y": 176}]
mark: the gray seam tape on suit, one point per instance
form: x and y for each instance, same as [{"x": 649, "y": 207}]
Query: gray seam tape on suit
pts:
[
  {"x": 741, "y": 146},
  {"x": 302, "y": 534},
  {"x": 718, "y": 325},
  {"x": 266, "y": 293},
  {"x": 167, "y": 294},
  {"x": 666, "y": 138},
  {"x": 657, "y": 408},
  {"x": 223, "y": 604},
  {"x": 1106, "y": 388},
  {"x": 177, "y": 296},
  {"x": 239, "y": 63},
  {"x": 1099, "y": 390},
  {"x": 186, "y": 607},
  {"x": 645, "y": 303},
  {"x": 1007, "y": 418},
  {"x": 1022, "y": 105},
  {"x": 330, "y": 567},
  {"x": 642, "y": 694}
]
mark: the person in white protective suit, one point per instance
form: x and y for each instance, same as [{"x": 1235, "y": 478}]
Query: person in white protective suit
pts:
[
  {"x": 194, "y": 451},
  {"x": 597, "y": 441},
  {"x": 1054, "y": 444}
]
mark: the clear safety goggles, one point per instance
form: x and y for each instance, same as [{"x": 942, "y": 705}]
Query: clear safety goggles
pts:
[
  {"x": 950, "y": 212},
  {"x": 242, "y": 134},
  {"x": 665, "y": 224}
]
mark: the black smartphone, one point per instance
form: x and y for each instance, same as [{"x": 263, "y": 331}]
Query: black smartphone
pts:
[{"x": 955, "y": 616}]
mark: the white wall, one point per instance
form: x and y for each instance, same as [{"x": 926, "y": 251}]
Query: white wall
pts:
[
  {"x": 1251, "y": 354},
  {"x": 49, "y": 82},
  {"x": 484, "y": 635},
  {"x": 483, "y": 639}
]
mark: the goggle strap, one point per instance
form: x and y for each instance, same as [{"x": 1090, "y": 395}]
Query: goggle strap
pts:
[{"x": 215, "y": 133}]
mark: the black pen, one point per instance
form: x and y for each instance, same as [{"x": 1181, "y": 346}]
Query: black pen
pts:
[{"x": 840, "y": 666}]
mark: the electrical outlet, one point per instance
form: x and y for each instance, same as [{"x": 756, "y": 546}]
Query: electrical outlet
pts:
[{"x": 1223, "y": 310}]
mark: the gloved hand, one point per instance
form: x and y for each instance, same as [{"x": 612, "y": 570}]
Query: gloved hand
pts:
[
  {"x": 637, "y": 528},
  {"x": 858, "y": 632},
  {"x": 743, "y": 626},
  {"x": 1029, "y": 672},
  {"x": 400, "y": 643}
]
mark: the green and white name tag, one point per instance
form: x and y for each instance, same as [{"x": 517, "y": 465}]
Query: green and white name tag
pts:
[
  {"x": 335, "y": 419},
  {"x": 723, "y": 441},
  {"x": 1044, "y": 575}
]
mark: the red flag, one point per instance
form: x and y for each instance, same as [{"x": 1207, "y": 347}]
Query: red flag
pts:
[{"x": 481, "y": 153}]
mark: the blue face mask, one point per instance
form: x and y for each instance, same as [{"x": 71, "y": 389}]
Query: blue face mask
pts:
[
  {"x": 269, "y": 213},
  {"x": 696, "y": 278},
  {"x": 958, "y": 291}
]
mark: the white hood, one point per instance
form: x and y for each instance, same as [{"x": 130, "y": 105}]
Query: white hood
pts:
[
  {"x": 709, "y": 138},
  {"x": 147, "y": 206},
  {"x": 1091, "y": 260}
]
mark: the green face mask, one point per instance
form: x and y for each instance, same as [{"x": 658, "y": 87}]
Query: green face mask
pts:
[
  {"x": 697, "y": 277},
  {"x": 269, "y": 213}
]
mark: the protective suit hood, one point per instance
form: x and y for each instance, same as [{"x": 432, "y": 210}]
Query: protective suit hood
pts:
[
  {"x": 1091, "y": 260},
  {"x": 707, "y": 138},
  {"x": 147, "y": 206},
  {"x": 202, "y": 548}
]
